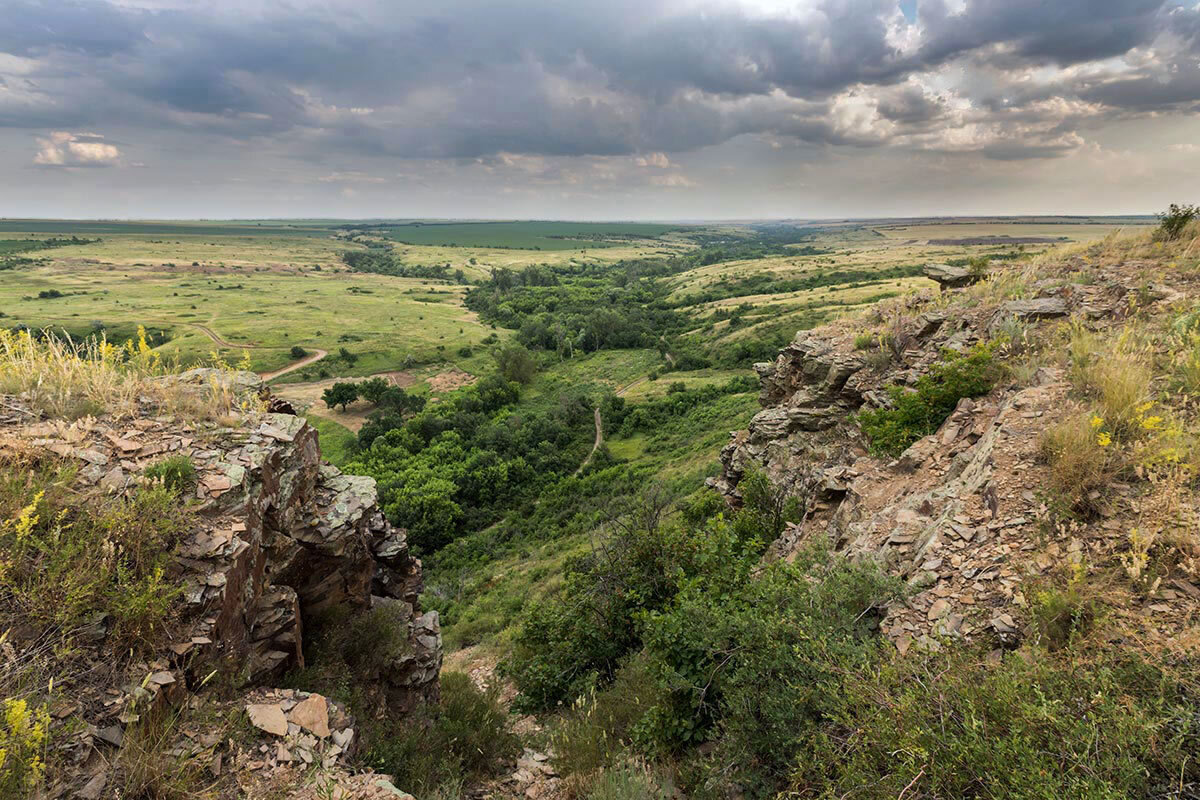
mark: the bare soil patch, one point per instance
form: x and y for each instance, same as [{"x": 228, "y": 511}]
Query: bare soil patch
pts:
[{"x": 450, "y": 380}]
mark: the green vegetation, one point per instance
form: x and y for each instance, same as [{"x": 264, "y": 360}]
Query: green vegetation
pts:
[
  {"x": 433, "y": 749},
  {"x": 176, "y": 473},
  {"x": 921, "y": 410},
  {"x": 682, "y": 649},
  {"x": 1173, "y": 221},
  {"x": 66, "y": 561},
  {"x": 515, "y": 235},
  {"x": 338, "y": 444},
  {"x": 458, "y": 465}
]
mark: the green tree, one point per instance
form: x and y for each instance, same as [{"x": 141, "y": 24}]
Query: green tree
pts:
[
  {"x": 516, "y": 363},
  {"x": 340, "y": 394},
  {"x": 373, "y": 390}
]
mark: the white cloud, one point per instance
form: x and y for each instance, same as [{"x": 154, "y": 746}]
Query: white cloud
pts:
[
  {"x": 64, "y": 149},
  {"x": 659, "y": 160}
]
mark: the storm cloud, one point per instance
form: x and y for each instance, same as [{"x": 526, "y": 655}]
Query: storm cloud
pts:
[{"x": 383, "y": 87}]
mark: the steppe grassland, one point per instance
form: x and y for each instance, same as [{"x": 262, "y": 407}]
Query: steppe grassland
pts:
[{"x": 380, "y": 319}]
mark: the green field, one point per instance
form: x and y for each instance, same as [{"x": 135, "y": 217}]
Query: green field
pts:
[
  {"x": 151, "y": 228},
  {"x": 521, "y": 235},
  {"x": 385, "y": 323}
]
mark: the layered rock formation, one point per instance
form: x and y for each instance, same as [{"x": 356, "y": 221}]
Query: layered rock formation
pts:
[
  {"x": 278, "y": 536},
  {"x": 961, "y": 515}
]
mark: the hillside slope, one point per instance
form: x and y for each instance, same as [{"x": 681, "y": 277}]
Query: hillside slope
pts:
[{"x": 982, "y": 503}]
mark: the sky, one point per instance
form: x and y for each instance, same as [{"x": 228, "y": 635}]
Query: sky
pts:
[{"x": 597, "y": 109}]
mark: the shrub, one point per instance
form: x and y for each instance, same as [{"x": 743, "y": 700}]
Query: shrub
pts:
[
  {"x": 1173, "y": 221},
  {"x": 1042, "y": 726},
  {"x": 67, "y": 561},
  {"x": 631, "y": 780},
  {"x": 24, "y": 737},
  {"x": 465, "y": 736},
  {"x": 921, "y": 411},
  {"x": 864, "y": 340},
  {"x": 1116, "y": 375},
  {"x": 298, "y": 352},
  {"x": 1063, "y": 613},
  {"x": 597, "y": 731},
  {"x": 1082, "y": 460},
  {"x": 516, "y": 363},
  {"x": 176, "y": 473}
]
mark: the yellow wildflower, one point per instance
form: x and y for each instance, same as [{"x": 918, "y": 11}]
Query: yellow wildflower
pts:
[
  {"x": 1097, "y": 421},
  {"x": 1152, "y": 423},
  {"x": 1103, "y": 439}
]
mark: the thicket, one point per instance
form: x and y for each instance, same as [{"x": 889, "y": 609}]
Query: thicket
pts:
[
  {"x": 383, "y": 262},
  {"x": 461, "y": 464},
  {"x": 920, "y": 410},
  {"x": 434, "y": 749},
  {"x": 671, "y": 642},
  {"x": 764, "y": 283}
]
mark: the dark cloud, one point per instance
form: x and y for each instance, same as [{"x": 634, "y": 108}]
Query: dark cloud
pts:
[{"x": 462, "y": 79}]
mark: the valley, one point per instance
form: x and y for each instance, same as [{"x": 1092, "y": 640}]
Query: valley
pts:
[{"x": 618, "y": 470}]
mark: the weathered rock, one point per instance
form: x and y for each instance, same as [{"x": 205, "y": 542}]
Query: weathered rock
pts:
[
  {"x": 268, "y": 717},
  {"x": 1039, "y": 308},
  {"x": 949, "y": 277},
  {"x": 312, "y": 714}
]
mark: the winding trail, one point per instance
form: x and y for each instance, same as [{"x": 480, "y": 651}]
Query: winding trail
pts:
[
  {"x": 596, "y": 446},
  {"x": 600, "y": 424},
  {"x": 311, "y": 358}
]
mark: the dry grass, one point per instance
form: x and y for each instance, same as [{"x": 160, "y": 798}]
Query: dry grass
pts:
[
  {"x": 67, "y": 379},
  {"x": 1116, "y": 374},
  {"x": 1081, "y": 465}
]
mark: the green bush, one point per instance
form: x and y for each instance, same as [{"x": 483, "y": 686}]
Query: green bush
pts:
[
  {"x": 1038, "y": 726},
  {"x": 176, "y": 473},
  {"x": 465, "y": 737},
  {"x": 1173, "y": 221},
  {"x": 69, "y": 559},
  {"x": 921, "y": 410}
]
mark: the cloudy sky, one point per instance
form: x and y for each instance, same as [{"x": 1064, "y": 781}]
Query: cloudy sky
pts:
[{"x": 616, "y": 109}]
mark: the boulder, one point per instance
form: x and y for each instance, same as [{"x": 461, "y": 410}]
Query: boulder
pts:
[
  {"x": 949, "y": 277},
  {"x": 1038, "y": 308}
]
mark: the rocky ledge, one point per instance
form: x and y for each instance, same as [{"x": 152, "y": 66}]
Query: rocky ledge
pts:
[
  {"x": 961, "y": 515},
  {"x": 278, "y": 535}
]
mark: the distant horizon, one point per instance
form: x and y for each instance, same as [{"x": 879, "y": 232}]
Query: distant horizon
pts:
[{"x": 649, "y": 220}]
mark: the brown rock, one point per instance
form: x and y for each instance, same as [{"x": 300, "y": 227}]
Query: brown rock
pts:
[
  {"x": 312, "y": 714},
  {"x": 268, "y": 717}
]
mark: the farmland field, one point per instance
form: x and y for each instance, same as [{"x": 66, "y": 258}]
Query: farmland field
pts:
[{"x": 520, "y": 235}]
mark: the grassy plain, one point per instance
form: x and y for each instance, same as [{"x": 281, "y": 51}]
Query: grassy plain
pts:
[
  {"x": 521, "y": 235},
  {"x": 384, "y": 322}
]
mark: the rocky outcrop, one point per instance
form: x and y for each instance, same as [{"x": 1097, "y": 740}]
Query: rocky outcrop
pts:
[
  {"x": 961, "y": 515},
  {"x": 950, "y": 277},
  {"x": 278, "y": 535}
]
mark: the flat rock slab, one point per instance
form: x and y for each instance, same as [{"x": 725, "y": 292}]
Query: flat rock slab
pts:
[
  {"x": 312, "y": 714},
  {"x": 950, "y": 277},
  {"x": 268, "y": 717},
  {"x": 1041, "y": 308}
]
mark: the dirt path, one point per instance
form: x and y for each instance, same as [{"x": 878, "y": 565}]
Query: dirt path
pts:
[
  {"x": 311, "y": 358},
  {"x": 596, "y": 446},
  {"x": 621, "y": 392}
]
